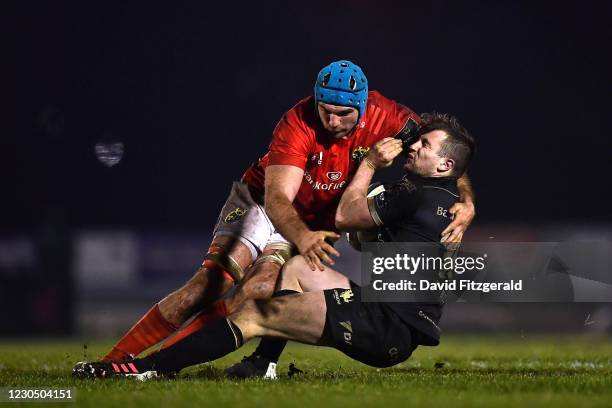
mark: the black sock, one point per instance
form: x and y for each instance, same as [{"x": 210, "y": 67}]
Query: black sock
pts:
[
  {"x": 271, "y": 348},
  {"x": 214, "y": 341}
]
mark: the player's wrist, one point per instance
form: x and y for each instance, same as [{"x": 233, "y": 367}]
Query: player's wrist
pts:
[{"x": 369, "y": 163}]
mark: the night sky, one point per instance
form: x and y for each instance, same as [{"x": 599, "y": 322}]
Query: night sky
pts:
[{"x": 193, "y": 91}]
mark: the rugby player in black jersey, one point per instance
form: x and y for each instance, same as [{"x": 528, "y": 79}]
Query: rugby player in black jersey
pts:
[{"x": 325, "y": 308}]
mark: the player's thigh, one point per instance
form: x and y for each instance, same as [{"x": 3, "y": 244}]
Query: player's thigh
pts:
[
  {"x": 299, "y": 317},
  {"x": 297, "y": 270},
  {"x": 260, "y": 279},
  {"x": 369, "y": 332},
  {"x": 246, "y": 220}
]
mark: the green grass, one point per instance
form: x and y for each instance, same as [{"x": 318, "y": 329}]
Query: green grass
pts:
[{"x": 477, "y": 371}]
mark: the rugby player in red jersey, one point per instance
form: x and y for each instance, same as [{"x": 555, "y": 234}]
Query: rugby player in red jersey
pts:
[{"x": 287, "y": 200}]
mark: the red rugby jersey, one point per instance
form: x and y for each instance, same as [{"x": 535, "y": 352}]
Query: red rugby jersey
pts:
[{"x": 300, "y": 140}]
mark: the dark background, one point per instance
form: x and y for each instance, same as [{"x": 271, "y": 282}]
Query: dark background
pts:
[{"x": 194, "y": 90}]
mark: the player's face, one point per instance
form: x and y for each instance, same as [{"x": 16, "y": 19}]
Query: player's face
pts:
[
  {"x": 337, "y": 120},
  {"x": 423, "y": 156}
]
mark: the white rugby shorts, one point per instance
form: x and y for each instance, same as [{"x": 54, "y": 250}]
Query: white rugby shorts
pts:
[{"x": 243, "y": 218}]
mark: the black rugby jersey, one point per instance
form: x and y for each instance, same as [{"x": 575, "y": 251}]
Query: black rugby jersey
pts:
[{"x": 415, "y": 209}]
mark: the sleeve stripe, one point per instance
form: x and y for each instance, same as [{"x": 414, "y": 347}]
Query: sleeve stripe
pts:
[
  {"x": 375, "y": 113},
  {"x": 373, "y": 212},
  {"x": 380, "y": 122}
]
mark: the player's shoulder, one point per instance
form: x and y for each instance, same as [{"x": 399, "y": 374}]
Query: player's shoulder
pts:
[
  {"x": 445, "y": 186},
  {"x": 302, "y": 103},
  {"x": 303, "y": 106},
  {"x": 386, "y": 115},
  {"x": 375, "y": 98},
  {"x": 410, "y": 183},
  {"x": 302, "y": 112},
  {"x": 408, "y": 187}
]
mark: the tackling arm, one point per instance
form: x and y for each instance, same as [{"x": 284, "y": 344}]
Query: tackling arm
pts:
[
  {"x": 463, "y": 212},
  {"x": 464, "y": 184},
  {"x": 353, "y": 213},
  {"x": 282, "y": 185}
]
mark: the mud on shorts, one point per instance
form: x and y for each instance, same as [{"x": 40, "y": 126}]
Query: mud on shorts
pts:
[
  {"x": 368, "y": 332},
  {"x": 243, "y": 218}
]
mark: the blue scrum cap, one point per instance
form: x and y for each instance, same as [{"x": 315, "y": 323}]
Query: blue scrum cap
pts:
[{"x": 342, "y": 83}]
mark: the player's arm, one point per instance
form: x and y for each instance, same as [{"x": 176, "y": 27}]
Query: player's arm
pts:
[
  {"x": 281, "y": 187},
  {"x": 463, "y": 212},
  {"x": 353, "y": 213}
]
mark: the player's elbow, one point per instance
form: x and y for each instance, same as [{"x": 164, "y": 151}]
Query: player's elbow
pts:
[
  {"x": 342, "y": 221},
  {"x": 339, "y": 222}
]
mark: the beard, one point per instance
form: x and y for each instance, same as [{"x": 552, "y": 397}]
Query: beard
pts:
[{"x": 413, "y": 167}]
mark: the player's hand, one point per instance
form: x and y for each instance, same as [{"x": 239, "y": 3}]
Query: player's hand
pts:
[
  {"x": 316, "y": 250},
  {"x": 463, "y": 214},
  {"x": 383, "y": 152}
]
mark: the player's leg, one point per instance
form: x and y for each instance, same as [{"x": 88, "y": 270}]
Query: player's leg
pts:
[
  {"x": 299, "y": 317},
  {"x": 259, "y": 283},
  {"x": 225, "y": 258},
  {"x": 221, "y": 268},
  {"x": 296, "y": 277},
  {"x": 241, "y": 232},
  {"x": 261, "y": 279}
]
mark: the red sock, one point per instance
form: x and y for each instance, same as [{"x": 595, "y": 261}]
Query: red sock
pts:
[
  {"x": 153, "y": 327},
  {"x": 216, "y": 311},
  {"x": 149, "y": 330}
]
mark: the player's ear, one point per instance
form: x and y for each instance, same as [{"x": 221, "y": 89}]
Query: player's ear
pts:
[{"x": 446, "y": 164}]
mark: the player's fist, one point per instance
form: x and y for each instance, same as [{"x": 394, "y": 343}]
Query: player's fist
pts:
[
  {"x": 316, "y": 249},
  {"x": 383, "y": 152}
]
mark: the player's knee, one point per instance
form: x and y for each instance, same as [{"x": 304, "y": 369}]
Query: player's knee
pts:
[
  {"x": 295, "y": 267},
  {"x": 257, "y": 289},
  {"x": 250, "y": 318},
  {"x": 293, "y": 274},
  {"x": 262, "y": 282}
]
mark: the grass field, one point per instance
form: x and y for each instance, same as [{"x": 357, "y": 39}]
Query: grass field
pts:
[{"x": 472, "y": 371}]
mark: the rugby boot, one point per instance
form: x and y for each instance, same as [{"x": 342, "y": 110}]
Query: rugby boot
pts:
[
  {"x": 94, "y": 370},
  {"x": 253, "y": 366}
]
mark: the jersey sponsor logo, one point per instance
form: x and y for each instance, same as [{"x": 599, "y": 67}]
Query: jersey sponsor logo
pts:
[
  {"x": 381, "y": 203},
  {"x": 359, "y": 153},
  {"x": 317, "y": 185},
  {"x": 317, "y": 157},
  {"x": 345, "y": 296},
  {"x": 407, "y": 184},
  {"x": 347, "y": 335},
  {"x": 235, "y": 215},
  {"x": 443, "y": 212},
  {"x": 347, "y": 325},
  {"x": 334, "y": 175}
]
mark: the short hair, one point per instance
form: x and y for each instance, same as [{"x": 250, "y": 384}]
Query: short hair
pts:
[{"x": 459, "y": 144}]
